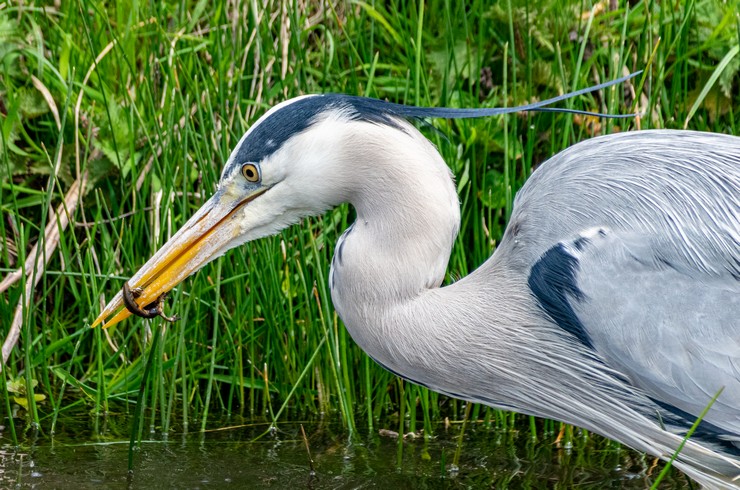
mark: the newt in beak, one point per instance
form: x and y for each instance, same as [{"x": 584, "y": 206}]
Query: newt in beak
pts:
[{"x": 207, "y": 235}]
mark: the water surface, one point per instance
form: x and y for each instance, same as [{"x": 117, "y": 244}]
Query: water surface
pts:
[{"x": 87, "y": 453}]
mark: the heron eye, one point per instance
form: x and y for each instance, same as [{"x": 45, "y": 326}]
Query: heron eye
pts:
[{"x": 250, "y": 172}]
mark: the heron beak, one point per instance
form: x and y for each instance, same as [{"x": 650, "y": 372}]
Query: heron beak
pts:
[{"x": 204, "y": 237}]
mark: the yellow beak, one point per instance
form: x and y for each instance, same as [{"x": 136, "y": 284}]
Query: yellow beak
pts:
[{"x": 203, "y": 238}]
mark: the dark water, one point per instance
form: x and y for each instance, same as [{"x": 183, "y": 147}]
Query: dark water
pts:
[{"x": 85, "y": 454}]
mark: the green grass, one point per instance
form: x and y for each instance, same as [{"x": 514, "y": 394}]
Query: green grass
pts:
[{"x": 178, "y": 83}]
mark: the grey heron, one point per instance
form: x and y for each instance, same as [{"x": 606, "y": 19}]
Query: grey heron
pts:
[{"x": 612, "y": 302}]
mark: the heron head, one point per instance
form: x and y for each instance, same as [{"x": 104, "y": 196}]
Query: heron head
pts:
[{"x": 287, "y": 166}]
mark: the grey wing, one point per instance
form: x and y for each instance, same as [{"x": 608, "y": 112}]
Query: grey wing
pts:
[{"x": 675, "y": 333}]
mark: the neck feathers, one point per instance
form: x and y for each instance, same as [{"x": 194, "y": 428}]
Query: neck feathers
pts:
[{"x": 408, "y": 216}]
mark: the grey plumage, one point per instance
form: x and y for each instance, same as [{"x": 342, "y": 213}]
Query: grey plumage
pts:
[
  {"x": 650, "y": 220},
  {"x": 661, "y": 288},
  {"x": 611, "y": 303}
]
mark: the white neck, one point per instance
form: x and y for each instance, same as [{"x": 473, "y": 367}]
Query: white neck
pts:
[
  {"x": 396, "y": 252},
  {"x": 388, "y": 266}
]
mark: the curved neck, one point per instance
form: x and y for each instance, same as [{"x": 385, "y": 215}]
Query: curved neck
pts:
[
  {"x": 408, "y": 213},
  {"x": 408, "y": 217},
  {"x": 388, "y": 266}
]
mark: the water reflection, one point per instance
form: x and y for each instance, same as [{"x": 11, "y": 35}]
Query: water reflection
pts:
[{"x": 85, "y": 455}]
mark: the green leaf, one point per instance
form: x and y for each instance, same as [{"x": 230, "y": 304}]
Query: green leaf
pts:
[
  {"x": 64, "y": 55},
  {"x": 19, "y": 385},
  {"x": 378, "y": 16},
  {"x": 461, "y": 62},
  {"x": 22, "y": 401},
  {"x": 710, "y": 83},
  {"x": 196, "y": 13},
  {"x": 493, "y": 193},
  {"x": 71, "y": 380},
  {"x": 31, "y": 103},
  {"x": 16, "y": 386}
]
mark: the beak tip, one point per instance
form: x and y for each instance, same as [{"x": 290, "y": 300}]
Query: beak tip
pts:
[
  {"x": 106, "y": 317},
  {"x": 109, "y": 322},
  {"x": 100, "y": 320}
]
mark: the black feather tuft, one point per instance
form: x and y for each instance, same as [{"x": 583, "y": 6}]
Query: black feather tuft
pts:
[{"x": 270, "y": 134}]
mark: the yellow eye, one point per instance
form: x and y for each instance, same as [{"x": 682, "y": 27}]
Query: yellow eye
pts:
[{"x": 250, "y": 172}]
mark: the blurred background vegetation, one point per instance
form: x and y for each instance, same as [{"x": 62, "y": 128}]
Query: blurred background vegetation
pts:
[{"x": 117, "y": 117}]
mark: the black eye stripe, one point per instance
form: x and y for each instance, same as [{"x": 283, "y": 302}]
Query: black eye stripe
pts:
[{"x": 271, "y": 133}]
